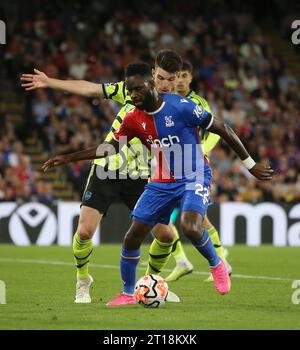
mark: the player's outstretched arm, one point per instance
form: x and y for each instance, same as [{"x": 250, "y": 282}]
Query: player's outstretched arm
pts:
[
  {"x": 78, "y": 87},
  {"x": 260, "y": 171},
  {"x": 100, "y": 151}
]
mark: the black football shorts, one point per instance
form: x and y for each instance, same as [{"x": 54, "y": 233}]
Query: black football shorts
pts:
[{"x": 101, "y": 193}]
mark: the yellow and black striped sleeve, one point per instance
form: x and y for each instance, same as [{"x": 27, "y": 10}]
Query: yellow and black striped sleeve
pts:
[
  {"x": 116, "y": 91},
  {"x": 118, "y": 120},
  {"x": 200, "y": 101}
]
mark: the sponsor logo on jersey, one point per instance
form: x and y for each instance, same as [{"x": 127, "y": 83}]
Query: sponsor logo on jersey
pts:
[{"x": 164, "y": 142}]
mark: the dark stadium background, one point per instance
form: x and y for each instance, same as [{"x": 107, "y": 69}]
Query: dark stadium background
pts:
[{"x": 245, "y": 63}]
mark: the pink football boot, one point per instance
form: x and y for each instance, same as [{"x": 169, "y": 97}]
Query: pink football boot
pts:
[
  {"x": 221, "y": 278},
  {"x": 122, "y": 299}
]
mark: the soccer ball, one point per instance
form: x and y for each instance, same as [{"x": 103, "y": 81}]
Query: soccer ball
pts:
[{"x": 151, "y": 291}]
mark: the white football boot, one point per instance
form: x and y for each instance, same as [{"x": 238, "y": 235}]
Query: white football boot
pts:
[
  {"x": 83, "y": 290},
  {"x": 181, "y": 269}
]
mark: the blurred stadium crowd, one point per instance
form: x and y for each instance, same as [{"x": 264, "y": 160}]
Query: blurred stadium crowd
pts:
[{"x": 235, "y": 69}]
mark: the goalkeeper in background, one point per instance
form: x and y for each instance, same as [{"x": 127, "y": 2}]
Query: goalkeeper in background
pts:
[{"x": 209, "y": 141}]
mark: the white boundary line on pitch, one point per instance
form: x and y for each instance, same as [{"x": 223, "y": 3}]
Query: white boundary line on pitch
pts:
[{"x": 65, "y": 263}]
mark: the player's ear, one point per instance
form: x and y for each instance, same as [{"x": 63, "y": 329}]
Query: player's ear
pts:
[{"x": 153, "y": 72}]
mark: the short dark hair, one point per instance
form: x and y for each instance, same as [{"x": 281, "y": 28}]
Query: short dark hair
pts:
[
  {"x": 168, "y": 60},
  {"x": 138, "y": 68},
  {"x": 187, "y": 66}
]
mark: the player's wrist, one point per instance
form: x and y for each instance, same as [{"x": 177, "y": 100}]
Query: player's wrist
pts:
[
  {"x": 249, "y": 163},
  {"x": 50, "y": 83}
]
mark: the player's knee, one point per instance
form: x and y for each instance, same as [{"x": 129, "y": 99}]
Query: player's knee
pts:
[
  {"x": 164, "y": 233},
  {"x": 166, "y": 237},
  {"x": 136, "y": 234},
  {"x": 191, "y": 227},
  {"x": 85, "y": 231},
  {"x": 132, "y": 240}
]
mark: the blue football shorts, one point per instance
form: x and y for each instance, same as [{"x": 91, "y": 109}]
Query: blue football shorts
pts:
[{"x": 160, "y": 198}]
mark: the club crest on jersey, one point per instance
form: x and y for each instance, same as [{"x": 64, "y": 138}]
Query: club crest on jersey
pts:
[
  {"x": 87, "y": 195},
  {"x": 169, "y": 121},
  {"x": 144, "y": 125}
]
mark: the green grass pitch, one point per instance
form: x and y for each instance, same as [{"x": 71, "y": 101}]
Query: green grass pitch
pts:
[{"x": 40, "y": 284}]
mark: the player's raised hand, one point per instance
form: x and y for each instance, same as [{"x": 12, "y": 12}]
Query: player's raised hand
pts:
[
  {"x": 56, "y": 161},
  {"x": 262, "y": 172},
  {"x": 34, "y": 81}
]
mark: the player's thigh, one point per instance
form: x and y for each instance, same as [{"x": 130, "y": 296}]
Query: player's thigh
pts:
[
  {"x": 154, "y": 206},
  {"x": 164, "y": 233},
  {"x": 193, "y": 207},
  {"x": 89, "y": 219},
  {"x": 196, "y": 198}
]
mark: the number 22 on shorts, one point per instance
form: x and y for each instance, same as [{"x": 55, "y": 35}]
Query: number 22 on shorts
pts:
[{"x": 203, "y": 192}]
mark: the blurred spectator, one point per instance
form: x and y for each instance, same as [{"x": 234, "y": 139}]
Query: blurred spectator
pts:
[
  {"x": 286, "y": 80},
  {"x": 236, "y": 70},
  {"x": 78, "y": 68},
  {"x": 44, "y": 193},
  {"x": 41, "y": 106},
  {"x": 25, "y": 195},
  {"x": 78, "y": 174},
  {"x": 249, "y": 80},
  {"x": 238, "y": 115}
]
